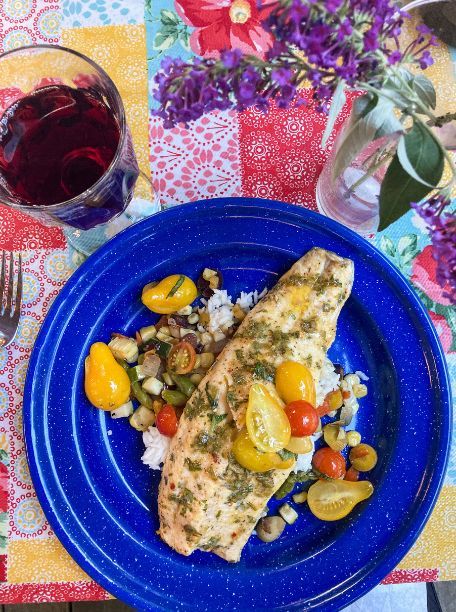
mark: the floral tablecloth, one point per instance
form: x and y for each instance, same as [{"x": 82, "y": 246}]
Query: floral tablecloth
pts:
[{"x": 225, "y": 154}]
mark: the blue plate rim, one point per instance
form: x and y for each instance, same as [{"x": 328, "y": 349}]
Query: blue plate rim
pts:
[{"x": 368, "y": 579}]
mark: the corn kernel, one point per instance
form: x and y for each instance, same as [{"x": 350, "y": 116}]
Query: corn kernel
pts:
[{"x": 353, "y": 438}]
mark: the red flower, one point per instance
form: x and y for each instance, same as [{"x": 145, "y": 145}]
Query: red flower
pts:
[
  {"x": 444, "y": 331},
  {"x": 424, "y": 277},
  {"x": 227, "y": 24}
]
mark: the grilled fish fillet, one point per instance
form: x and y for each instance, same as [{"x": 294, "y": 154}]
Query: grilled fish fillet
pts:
[{"x": 206, "y": 499}]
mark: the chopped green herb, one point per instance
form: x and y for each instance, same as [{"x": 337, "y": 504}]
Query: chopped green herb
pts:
[
  {"x": 191, "y": 532},
  {"x": 184, "y": 499},
  {"x": 263, "y": 371},
  {"x": 176, "y": 286},
  {"x": 285, "y": 454},
  {"x": 193, "y": 466},
  {"x": 216, "y": 419}
]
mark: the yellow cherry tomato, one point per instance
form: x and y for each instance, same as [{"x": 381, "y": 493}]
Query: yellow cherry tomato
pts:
[
  {"x": 294, "y": 382},
  {"x": 331, "y": 500},
  {"x": 106, "y": 383},
  {"x": 301, "y": 446},
  {"x": 254, "y": 460},
  {"x": 267, "y": 424},
  {"x": 170, "y": 294}
]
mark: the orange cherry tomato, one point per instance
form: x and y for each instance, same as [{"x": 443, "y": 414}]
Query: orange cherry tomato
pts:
[
  {"x": 182, "y": 357},
  {"x": 352, "y": 475},
  {"x": 303, "y": 418},
  {"x": 166, "y": 421},
  {"x": 329, "y": 462}
]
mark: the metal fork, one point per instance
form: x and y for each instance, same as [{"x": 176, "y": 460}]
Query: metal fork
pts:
[{"x": 10, "y": 299}]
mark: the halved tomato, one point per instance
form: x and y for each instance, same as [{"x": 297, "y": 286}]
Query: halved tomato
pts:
[
  {"x": 182, "y": 357},
  {"x": 331, "y": 500},
  {"x": 254, "y": 460},
  {"x": 267, "y": 424},
  {"x": 300, "y": 445}
]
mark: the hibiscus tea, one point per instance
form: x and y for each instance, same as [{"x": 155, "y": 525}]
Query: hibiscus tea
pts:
[{"x": 56, "y": 143}]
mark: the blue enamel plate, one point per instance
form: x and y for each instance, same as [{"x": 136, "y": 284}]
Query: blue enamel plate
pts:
[{"x": 101, "y": 501}]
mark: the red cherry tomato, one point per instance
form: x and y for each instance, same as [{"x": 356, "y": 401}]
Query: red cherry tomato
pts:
[
  {"x": 329, "y": 462},
  {"x": 352, "y": 475},
  {"x": 166, "y": 421},
  {"x": 303, "y": 418}
]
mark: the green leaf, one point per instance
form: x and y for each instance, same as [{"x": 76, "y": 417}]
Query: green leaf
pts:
[
  {"x": 169, "y": 17},
  {"x": 337, "y": 103},
  {"x": 407, "y": 248},
  {"x": 184, "y": 39},
  {"x": 377, "y": 120},
  {"x": 421, "y": 156},
  {"x": 163, "y": 42},
  {"x": 425, "y": 90},
  {"x": 398, "y": 189},
  {"x": 387, "y": 246},
  {"x": 407, "y": 242}
]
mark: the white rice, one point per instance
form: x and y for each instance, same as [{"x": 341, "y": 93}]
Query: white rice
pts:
[
  {"x": 219, "y": 307},
  {"x": 362, "y": 376},
  {"x": 329, "y": 381},
  {"x": 157, "y": 446}
]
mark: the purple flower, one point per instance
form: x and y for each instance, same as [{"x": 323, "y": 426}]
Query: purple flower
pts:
[
  {"x": 395, "y": 57},
  {"x": 282, "y": 76},
  {"x": 231, "y": 59},
  {"x": 425, "y": 60},
  {"x": 442, "y": 227},
  {"x": 371, "y": 42}
]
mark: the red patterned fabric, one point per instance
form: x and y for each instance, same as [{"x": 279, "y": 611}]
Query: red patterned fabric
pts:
[{"x": 20, "y": 232}]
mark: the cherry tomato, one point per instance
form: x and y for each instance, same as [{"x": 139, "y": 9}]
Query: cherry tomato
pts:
[
  {"x": 363, "y": 457},
  {"x": 303, "y": 418},
  {"x": 294, "y": 381},
  {"x": 181, "y": 359},
  {"x": 333, "y": 401},
  {"x": 267, "y": 423},
  {"x": 254, "y": 460},
  {"x": 106, "y": 383},
  {"x": 329, "y": 462},
  {"x": 330, "y": 500},
  {"x": 166, "y": 421},
  {"x": 170, "y": 294},
  {"x": 352, "y": 475}
]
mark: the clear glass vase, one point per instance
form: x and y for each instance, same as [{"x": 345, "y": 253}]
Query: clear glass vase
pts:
[{"x": 352, "y": 198}]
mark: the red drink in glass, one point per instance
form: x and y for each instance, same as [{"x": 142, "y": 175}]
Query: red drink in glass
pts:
[{"x": 65, "y": 149}]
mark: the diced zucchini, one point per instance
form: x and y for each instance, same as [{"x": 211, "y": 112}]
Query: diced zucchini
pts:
[
  {"x": 300, "y": 498},
  {"x": 288, "y": 514},
  {"x": 136, "y": 373},
  {"x": 218, "y": 335},
  {"x": 168, "y": 379},
  {"x": 152, "y": 385},
  {"x": 208, "y": 273},
  {"x": 184, "y": 331},
  {"x": 164, "y": 337},
  {"x": 193, "y": 318},
  {"x": 124, "y": 348},
  {"x": 142, "y": 418},
  {"x": 147, "y": 333},
  {"x": 185, "y": 311},
  {"x": 123, "y": 411},
  {"x": 142, "y": 397},
  {"x": 162, "y": 348}
]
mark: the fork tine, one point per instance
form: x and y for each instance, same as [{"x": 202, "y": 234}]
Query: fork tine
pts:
[
  {"x": 17, "y": 307},
  {"x": 9, "y": 299}
]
